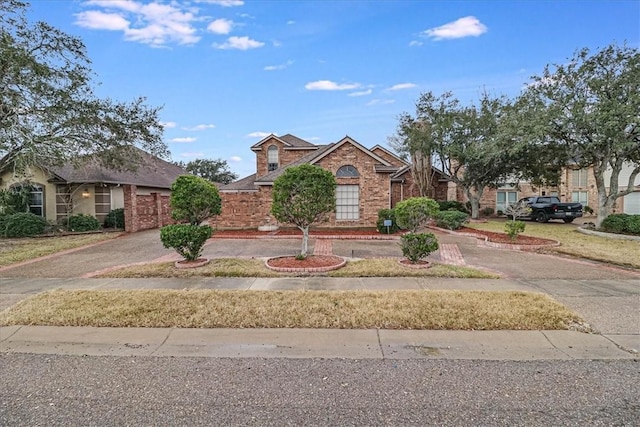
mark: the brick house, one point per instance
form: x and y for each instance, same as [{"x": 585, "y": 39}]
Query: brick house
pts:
[
  {"x": 368, "y": 180},
  {"x": 56, "y": 193}
]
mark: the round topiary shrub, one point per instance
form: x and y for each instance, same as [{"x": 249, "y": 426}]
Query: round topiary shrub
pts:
[
  {"x": 615, "y": 223},
  {"x": 24, "y": 224},
  {"x": 115, "y": 218},
  {"x": 82, "y": 222},
  {"x": 415, "y": 212},
  {"x": 416, "y": 246},
  {"x": 186, "y": 239}
]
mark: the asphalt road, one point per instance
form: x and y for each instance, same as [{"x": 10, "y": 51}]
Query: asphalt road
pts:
[{"x": 48, "y": 390}]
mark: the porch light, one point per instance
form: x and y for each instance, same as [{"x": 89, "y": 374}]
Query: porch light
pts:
[{"x": 85, "y": 193}]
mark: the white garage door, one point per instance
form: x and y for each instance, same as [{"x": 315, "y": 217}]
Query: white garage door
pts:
[{"x": 632, "y": 203}]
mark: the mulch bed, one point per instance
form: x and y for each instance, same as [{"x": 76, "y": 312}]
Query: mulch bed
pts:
[
  {"x": 504, "y": 238},
  {"x": 311, "y": 261}
]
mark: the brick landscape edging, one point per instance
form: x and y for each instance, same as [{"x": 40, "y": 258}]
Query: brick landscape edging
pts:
[
  {"x": 511, "y": 246},
  {"x": 306, "y": 269}
]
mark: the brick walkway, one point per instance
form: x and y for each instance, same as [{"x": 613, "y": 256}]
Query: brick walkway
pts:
[
  {"x": 450, "y": 254},
  {"x": 323, "y": 247}
]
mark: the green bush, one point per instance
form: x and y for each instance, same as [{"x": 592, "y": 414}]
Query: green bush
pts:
[
  {"x": 384, "y": 214},
  {"x": 82, "y": 222},
  {"x": 186, "y": 239},
  {"x": 24, "y": 224},
  {"x": 449, "y": 205},
  {"x": 416, "y": 246},
  {"x": 621, "y": 224},
  {"x": 451, "y": 220},
  {"x": 615, "y": 223},
  {"x": 194, "y": 199},
  {"x": 414, "y": 213},
  {"x": 115, "y": 218},
  {"x": 3, "y": 223},
  {"x": 513, "y": 228},
  {"x": 587, "y": 210}
]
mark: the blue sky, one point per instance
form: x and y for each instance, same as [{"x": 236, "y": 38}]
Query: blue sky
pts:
[{"x": 229, "y": 72}]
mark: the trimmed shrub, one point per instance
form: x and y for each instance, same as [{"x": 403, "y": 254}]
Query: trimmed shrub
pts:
[
  {"x": 615, "y": 223},
  {"x": 194, "y": 199},
  {"x": 451, "y": 220},
  {"x": 24, "y": 224},
  {"x": 416, "y": 246},
  {"x": 3, "y": 223},
  {"x": 513, "y": 228},
  {"x": 621, "y": 224},
  {"x": 115, "y": 218},
  {"x": 415, "y": 212},
  {"x": 387, "y": 214},
  {"x": 449, "y": 205},
  {"x": 82, "y": 222},
  {"x": 186, "y": 239},
  {"x": 587, "y": 210}
]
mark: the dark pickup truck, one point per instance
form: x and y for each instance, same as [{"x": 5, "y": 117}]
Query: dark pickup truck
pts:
[{"x": 544, "y": 208}]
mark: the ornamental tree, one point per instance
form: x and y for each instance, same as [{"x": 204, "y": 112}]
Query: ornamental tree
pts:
[
  {"x": 213, "y": 170},
  {"x": 194, "y": 199},
  {"x": 414, "y": 213},
  {"x": 304, "y": 195}
]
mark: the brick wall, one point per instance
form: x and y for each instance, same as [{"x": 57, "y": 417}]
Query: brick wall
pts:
[
  {"x": 245, "y": 209},
  {"x": 145, "y": 210},
  {"x": 406, "y": 189},
  {"x": 285, "y": 157},
  {"x": 388, "y": 157}
]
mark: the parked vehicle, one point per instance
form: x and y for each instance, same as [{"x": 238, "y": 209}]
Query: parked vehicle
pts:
[{"x": 544, "y": 208}]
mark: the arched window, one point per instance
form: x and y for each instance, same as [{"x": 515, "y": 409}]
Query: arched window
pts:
[
  {"x": 272, "y": 158},
  {"x": 347, "y": 171}
]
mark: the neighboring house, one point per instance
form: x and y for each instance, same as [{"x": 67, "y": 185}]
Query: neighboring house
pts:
[
  {"x": 368, "y": 180},
  {"x": 60, "y": 192},
  {"x": 576, "y": 185}
]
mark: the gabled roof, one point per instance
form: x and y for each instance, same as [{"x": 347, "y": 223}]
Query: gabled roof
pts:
[
  {"x": 309, "y": 158},
  {"x": 244, "y": 184},
  {"x": 397, "y": 176},
  {"x": 347, "y": 140},
  {"x": 289, "y": 141},
  {"x": 380, "y": 147},
  {"x": 151, "y": 172}
]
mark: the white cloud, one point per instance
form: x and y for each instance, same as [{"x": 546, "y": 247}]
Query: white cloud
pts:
[
  {"x": 329, "y": 85},
  {"x": 240, "y": 43},
  {"x": 258, "y": 134},
  {"x": 380, "y": 102},
  {"x": 168, "y": 125},
  {"x": 199, "y": 127},
  {"x": 220, "y": 26},
  {"x": 153, "y": 23},
  {"x": 223, "y": 3},
  {"x": 402, "y": 86},
  {"x": 413, "y": 43},
  {"x": 291, "y": 22},
  {"x": 235, "y": 159},
  {"x": 463, "y": 27},
  {"x": 278, "y": 67},
  {"x": 97, "y": 20},
  {"x": 183, "y": 140},
  {"x": 361, "y": 93}
]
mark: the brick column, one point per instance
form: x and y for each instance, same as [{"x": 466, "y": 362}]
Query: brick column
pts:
[
  {"x": 130, "y": 209},
  {"x": 157, "y": 198}
]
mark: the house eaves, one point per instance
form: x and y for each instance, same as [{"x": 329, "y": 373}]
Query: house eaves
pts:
[
  {"x": 290, "y": 142},
  {"x": 380, "y": 147},
  {"x": 307, "y": 159}
]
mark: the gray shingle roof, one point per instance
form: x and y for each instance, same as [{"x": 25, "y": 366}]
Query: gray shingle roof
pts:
[
  {"x": 244, "y": 184},
  {"x": 296, "y": 142},
  {"x": 152, "y": 172}
]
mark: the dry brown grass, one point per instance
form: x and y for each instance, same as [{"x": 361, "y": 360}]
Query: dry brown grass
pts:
[
  {"x": 13, "y": 251},
  {"x": 447, "y": 310},
  {"x": 243, "y": 267},
  {"x": 615, "y": 251}
]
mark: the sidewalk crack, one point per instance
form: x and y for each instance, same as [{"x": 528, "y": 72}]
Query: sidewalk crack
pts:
[
  {"x": 162, "y": 343},
  {"x": 380, "y": 344},
  {"x": 556, "y": 347},
  {"x": 620, "y": 347},
  {"x": 14, "y": 332}
]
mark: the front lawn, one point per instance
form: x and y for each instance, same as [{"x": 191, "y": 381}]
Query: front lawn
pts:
[
  {"x": 13, "y": 251},
  {"x": 445, "y": 310},
  {"x": 244, "y": 267},
  {"x": 615, "y": 251}
]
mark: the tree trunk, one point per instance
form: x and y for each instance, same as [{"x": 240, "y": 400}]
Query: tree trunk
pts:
[
  {"x": 421, "y": 172},
  {"x": 305, "y": 241},
  {"x": 474, "y": 197}
]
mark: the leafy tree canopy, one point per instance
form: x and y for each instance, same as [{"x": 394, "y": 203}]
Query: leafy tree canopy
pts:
[
  {"x": 588, "y": 112},
  {"x": 214, "y": 170},
  {"x": 304, "y": 195},
  {"x": 49, "y": 114}
]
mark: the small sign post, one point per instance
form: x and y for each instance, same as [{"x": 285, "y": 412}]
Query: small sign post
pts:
[{"x": 387, "y": 223}]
